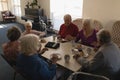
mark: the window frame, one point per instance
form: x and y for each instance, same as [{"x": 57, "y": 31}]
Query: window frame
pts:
[{"x": 2, "y": 2}]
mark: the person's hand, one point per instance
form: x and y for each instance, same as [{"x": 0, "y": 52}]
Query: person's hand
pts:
[
  {"x": 96, "y": 49},
  {"x": 79, "y": 46},
  {"x": 76, "y": 56},
  {"x": 69, "y": 37},
  {"x": 94, "y": 44},
  {"x": 59, "y": 37},
  {"x": 41, "y": 34},
  {"x": 54, "y": 58},
  {"x": 43, "y": 40},
  {"x": 43, "y": 50}
]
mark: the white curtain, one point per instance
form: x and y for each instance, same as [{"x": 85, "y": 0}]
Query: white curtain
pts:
[
  {"x": 58, "y": 8},
  {"x": 3, "y": 5},
  {"x": 16, "y": 7}
]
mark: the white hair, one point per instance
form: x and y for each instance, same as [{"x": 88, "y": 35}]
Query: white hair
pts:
[
  {"x": 67, "y": 16},
  {"x": 29, "y": 44},
  {"x": 89, "y": 22},
  {"x": 28, "y": 23}
]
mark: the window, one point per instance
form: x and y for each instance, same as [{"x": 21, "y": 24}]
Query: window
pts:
[
  {"x": 58, "y": 8},
  {"x": 16, "y": 7},
  {"x": 3, "y": 5}
]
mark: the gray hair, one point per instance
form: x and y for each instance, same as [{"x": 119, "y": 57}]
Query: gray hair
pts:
[
  {"x": 28, "y": 23},
  {"x": 104, "y": 36},
  {"x": 68, "y": 16},
  {"x": 88, "y": 22},
  {"x": 13, "y": 33},
  {"x": 29, "y": 44}
]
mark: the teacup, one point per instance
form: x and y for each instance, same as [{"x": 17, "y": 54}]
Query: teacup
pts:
[
  {"x": 54, "y": 36},
  {"x": 67, "y": 58}
]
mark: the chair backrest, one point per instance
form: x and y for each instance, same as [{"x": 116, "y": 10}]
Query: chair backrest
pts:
[
  {"x": 86, "y": 76},
  {"x": 12, "y": 64},
  {"x": 14, "y": 67},
  {"x": 78, "y": 22},
  {"x": 97, "y": 25},
  {"x": 115, "y": 33}
]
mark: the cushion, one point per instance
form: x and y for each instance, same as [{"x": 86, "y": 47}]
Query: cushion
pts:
[{"x": 7, "y": 13}]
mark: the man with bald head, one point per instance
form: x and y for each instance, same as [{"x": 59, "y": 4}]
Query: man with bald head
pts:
[{"x": 68, "y": 30}]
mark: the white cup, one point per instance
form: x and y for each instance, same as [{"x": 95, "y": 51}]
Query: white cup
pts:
[
  {"x": 89, "y": 50},
  {"x": 54, "y": 36},
  {"x": 75, "y": 51}
]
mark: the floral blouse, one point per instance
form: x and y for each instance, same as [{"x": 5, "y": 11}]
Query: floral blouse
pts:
[{"x": 11, "y": 50}]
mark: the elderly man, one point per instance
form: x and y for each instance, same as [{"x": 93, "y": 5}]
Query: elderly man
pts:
[
  {"x": 68, "y": 30},
  {"x": 107, "y": 59}
]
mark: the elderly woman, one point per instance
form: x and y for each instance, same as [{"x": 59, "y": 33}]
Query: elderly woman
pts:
[
  {"x": 88, "y": 34},
  {"x": 11, "y": 48},
  {"x": 68, "y": 30},
  {"x": 30, "y": 62},
  {"x": 28, "y": 27},
  {"x": 107, "y": 59}
]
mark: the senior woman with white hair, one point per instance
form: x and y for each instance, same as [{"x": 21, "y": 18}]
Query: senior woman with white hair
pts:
[
  {"x": 107, "y": 59},
  {"x": 28, "y": 27},
  {"x": 29, "y": 61},
  {"x": 88, "y": 34}
]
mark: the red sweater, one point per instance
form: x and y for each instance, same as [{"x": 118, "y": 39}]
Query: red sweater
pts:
[{"x": 70, "y": 30}]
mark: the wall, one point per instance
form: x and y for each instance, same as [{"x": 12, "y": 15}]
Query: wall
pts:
[
  {"x": 107, "y": 11},
  {"x": 45, "y": 4}
]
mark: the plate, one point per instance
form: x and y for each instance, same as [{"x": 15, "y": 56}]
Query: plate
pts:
[
  {"x": 64, "y": 40},
  {"x": 58, "y": 55}
]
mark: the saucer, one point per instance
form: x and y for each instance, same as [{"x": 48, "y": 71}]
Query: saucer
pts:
[{"x": 58, "y": 55}]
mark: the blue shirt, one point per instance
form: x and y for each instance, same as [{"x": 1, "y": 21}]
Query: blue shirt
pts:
[{"x": 35, "y": 67}]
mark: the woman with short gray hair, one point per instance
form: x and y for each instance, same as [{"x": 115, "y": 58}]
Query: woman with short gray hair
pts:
[
  {"x": 28, "y": 30},
  {"x": 11, "y": 49},
  {"x": 33, "y": 45},
  {"x": 29, "y": 61}
]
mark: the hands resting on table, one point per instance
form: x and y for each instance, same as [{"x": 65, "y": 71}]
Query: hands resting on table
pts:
[{"x": 53, "y": 58}]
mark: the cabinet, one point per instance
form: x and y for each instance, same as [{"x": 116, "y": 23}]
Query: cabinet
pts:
[{"x": 32, "y": 14}]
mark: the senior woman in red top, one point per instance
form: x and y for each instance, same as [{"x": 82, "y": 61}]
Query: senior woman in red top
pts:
[{"x": 68, "y": 30}]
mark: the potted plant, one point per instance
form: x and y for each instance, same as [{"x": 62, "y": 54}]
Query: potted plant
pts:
[
  {"x": 27, "y": 5},
  {"x": 34, "y": 3}
]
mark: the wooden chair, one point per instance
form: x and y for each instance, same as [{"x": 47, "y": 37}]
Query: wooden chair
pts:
[
  {"x": 78, "y": 22},
  {"x": 86, "y": 76},
  {"x": 8, "y": 16},
  {"x": 11, "y": 64},
  {"x": 115, "y": 33},
  {"x": 14, "y": 67},
  {"x": 97, "y": 25}
]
